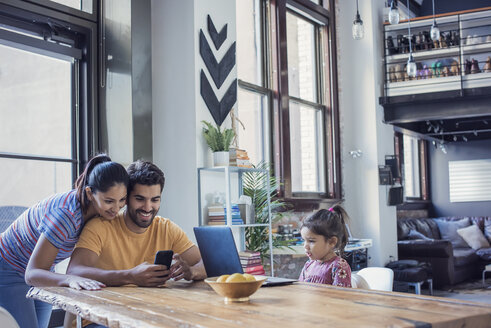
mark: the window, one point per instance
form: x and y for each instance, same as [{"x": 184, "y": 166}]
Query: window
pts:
[
  {"x": 305, "y": 110},
  {"x": 285, "y": 70},
  {"x": 412, "y": 155},
  {"x": 412, "y": 175},
  {"x": 253, "y": 97},
  {"x": 45, "y": 121},
  {"x": 83, "y": 5}
]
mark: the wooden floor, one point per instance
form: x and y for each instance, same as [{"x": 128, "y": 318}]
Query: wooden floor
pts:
[{"x": 298, "y": 305}]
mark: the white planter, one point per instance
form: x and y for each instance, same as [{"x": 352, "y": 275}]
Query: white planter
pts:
[{"x": 221, "y": 158}]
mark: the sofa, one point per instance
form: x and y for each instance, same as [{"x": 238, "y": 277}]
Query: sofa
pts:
[{"x": 457, "y": 248}]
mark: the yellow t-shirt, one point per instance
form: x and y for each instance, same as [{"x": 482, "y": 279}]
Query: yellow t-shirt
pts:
[{"x": 120, "y": 248}]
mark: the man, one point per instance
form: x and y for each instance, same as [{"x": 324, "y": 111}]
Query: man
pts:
[{"x": 122, "y": 251}]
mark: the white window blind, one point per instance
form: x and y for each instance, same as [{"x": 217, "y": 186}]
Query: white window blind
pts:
[{"x": 470, "y": 181}]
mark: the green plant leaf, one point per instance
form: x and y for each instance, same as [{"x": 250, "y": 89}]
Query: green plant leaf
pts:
[
  {"x": 257, "y": 186},
  {"x": 217, "y": 139}
]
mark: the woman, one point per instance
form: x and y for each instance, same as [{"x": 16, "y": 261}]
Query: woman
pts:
[{"x": 46, "y": 234}]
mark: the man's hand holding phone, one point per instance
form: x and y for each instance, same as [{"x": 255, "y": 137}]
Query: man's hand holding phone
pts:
[
  {"x": 153, "y": 275},
  {"x": 164, "y": 258}
]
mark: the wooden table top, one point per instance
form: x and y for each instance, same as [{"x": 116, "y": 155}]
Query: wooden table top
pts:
[{"x": 195, "y": 304}]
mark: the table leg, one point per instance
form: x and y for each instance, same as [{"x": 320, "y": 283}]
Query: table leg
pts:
[{"x": 79, "y": 321}]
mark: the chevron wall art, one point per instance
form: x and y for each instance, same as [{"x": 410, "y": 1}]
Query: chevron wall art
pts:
[{"x": 218, "y": 71}]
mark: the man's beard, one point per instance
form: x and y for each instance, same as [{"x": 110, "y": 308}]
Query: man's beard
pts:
[{"x": 134, "y": 217}]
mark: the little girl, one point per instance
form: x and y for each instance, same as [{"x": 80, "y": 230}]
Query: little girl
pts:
[{"x": 325, "y": 234}]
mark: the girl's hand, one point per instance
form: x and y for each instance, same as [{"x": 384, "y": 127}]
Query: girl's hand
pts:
[{"x": 79, "y": 283}]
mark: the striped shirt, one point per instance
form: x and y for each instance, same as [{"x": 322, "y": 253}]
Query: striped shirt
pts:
[{"x": 58, "y": 217}]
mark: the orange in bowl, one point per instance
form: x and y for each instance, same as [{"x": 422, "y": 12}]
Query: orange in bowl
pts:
[{"x": 236, "y": 287}]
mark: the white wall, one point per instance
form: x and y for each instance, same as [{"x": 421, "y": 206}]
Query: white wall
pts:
[
  {"x": 360, "y": 77},
  {"x": 174, "y": 109},
  {"x": 178, "y": 146}
]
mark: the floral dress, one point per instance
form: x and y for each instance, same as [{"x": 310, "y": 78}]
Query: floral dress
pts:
[{"x": 336, "y": 272}]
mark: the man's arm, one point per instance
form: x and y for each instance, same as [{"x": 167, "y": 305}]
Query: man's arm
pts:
[
  {"x": 83, "y": 261},
  {"x": 188, "y": 265}
]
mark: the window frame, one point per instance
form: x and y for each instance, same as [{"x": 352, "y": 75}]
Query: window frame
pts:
[
  {"x": 265, "y": 88},
  {"x": 70, "y": 10},
  {"x": 84, "y": 71},
  {"x": 329, "y": 102}
]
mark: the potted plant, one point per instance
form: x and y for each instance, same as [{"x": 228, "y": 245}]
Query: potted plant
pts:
[
  {"x": 257, "y": 186},
  {"x": 219, "y": 142}
]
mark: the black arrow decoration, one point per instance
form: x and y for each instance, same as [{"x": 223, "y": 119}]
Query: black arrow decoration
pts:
[
  {"x": 218, "y": 71},
  {"x": 217, "y": 38},
  {"x": 218, "y": 109}
]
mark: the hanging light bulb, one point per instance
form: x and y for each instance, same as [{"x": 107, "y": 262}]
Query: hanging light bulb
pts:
[
  {"x": 434, "y": 31},
  {"x": 357, "y": 29},
  {"x": 393, "y": 13},
  {"x": 411, "y": 68}
]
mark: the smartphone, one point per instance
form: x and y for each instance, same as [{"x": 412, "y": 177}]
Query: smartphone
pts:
[{"x": 164, "y": 258}]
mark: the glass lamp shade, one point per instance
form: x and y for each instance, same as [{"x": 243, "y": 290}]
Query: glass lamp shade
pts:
[
  {"x": 393, "y": 15},
  {"x": 358, "y": 30},
  {"x": 434, "y": 32},
  {"x": 411, "y": 68}
]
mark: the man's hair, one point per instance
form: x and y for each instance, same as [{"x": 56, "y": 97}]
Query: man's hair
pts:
[{"x": 145, "y": 173}]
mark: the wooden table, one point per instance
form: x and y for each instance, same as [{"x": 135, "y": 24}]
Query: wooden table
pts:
[{"x": 195, "y": 304}]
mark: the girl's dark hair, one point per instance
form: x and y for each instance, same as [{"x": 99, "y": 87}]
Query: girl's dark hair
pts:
[
  {"x": 145, "y": 173},
  {"x": 99, "y": 174},
  {"x": 330, "y": 223}
]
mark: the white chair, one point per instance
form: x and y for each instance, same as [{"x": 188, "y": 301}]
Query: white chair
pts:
[
  {"x": 378, "y": 278},
  {"x": 358, "y": 281},
  {"x": 7, "y": 320}
]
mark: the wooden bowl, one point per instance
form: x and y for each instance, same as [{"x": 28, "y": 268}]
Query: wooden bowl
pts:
[{"x": 235, "y": 291}]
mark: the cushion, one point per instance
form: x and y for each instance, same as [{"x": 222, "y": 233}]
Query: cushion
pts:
[
  {"x": 474, "y": 237},
  {"x": 484, "y": 254},
  {"x": 413, "y": 234},
  {"x": 487, "y": 228},
  {"x": 415, "y": 274},
  {"x": 464, "y": 256},
  {"x": 448, "y": 230},
  {"x": 402, "y": 229},
  {"x": 423, "y": 227}
]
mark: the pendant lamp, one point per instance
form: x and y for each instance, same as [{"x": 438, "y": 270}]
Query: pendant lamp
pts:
[
  {"x": 357, "y": 28},
  {"x": 435, "y": 31},
  {"x": 411, "y": 64},
  {"x": 393, "y": 13}
]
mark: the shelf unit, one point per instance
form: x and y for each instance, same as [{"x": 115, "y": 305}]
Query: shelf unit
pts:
[
  {"x": 468, "y": 38},
  {"x": 233, "y": 187}
]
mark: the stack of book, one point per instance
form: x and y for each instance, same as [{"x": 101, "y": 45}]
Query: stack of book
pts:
[
  {"x": 236, "y": 219},
  {"x": 251, "y": 262},
  {"x": 217, "y": 215},
  {"x": 239, "y": 157}
]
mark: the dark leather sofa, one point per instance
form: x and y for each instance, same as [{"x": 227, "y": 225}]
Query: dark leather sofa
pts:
[{"x": 449, "y": 265}]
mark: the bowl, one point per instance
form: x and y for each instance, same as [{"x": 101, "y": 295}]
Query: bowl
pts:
[{"x": 235, "y": 291}]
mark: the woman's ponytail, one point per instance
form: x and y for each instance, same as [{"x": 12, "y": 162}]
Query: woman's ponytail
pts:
[{"x": 82, "y": 180}]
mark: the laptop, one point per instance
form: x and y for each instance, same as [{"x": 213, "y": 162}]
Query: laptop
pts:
[{"x": 220, "y": 256}]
